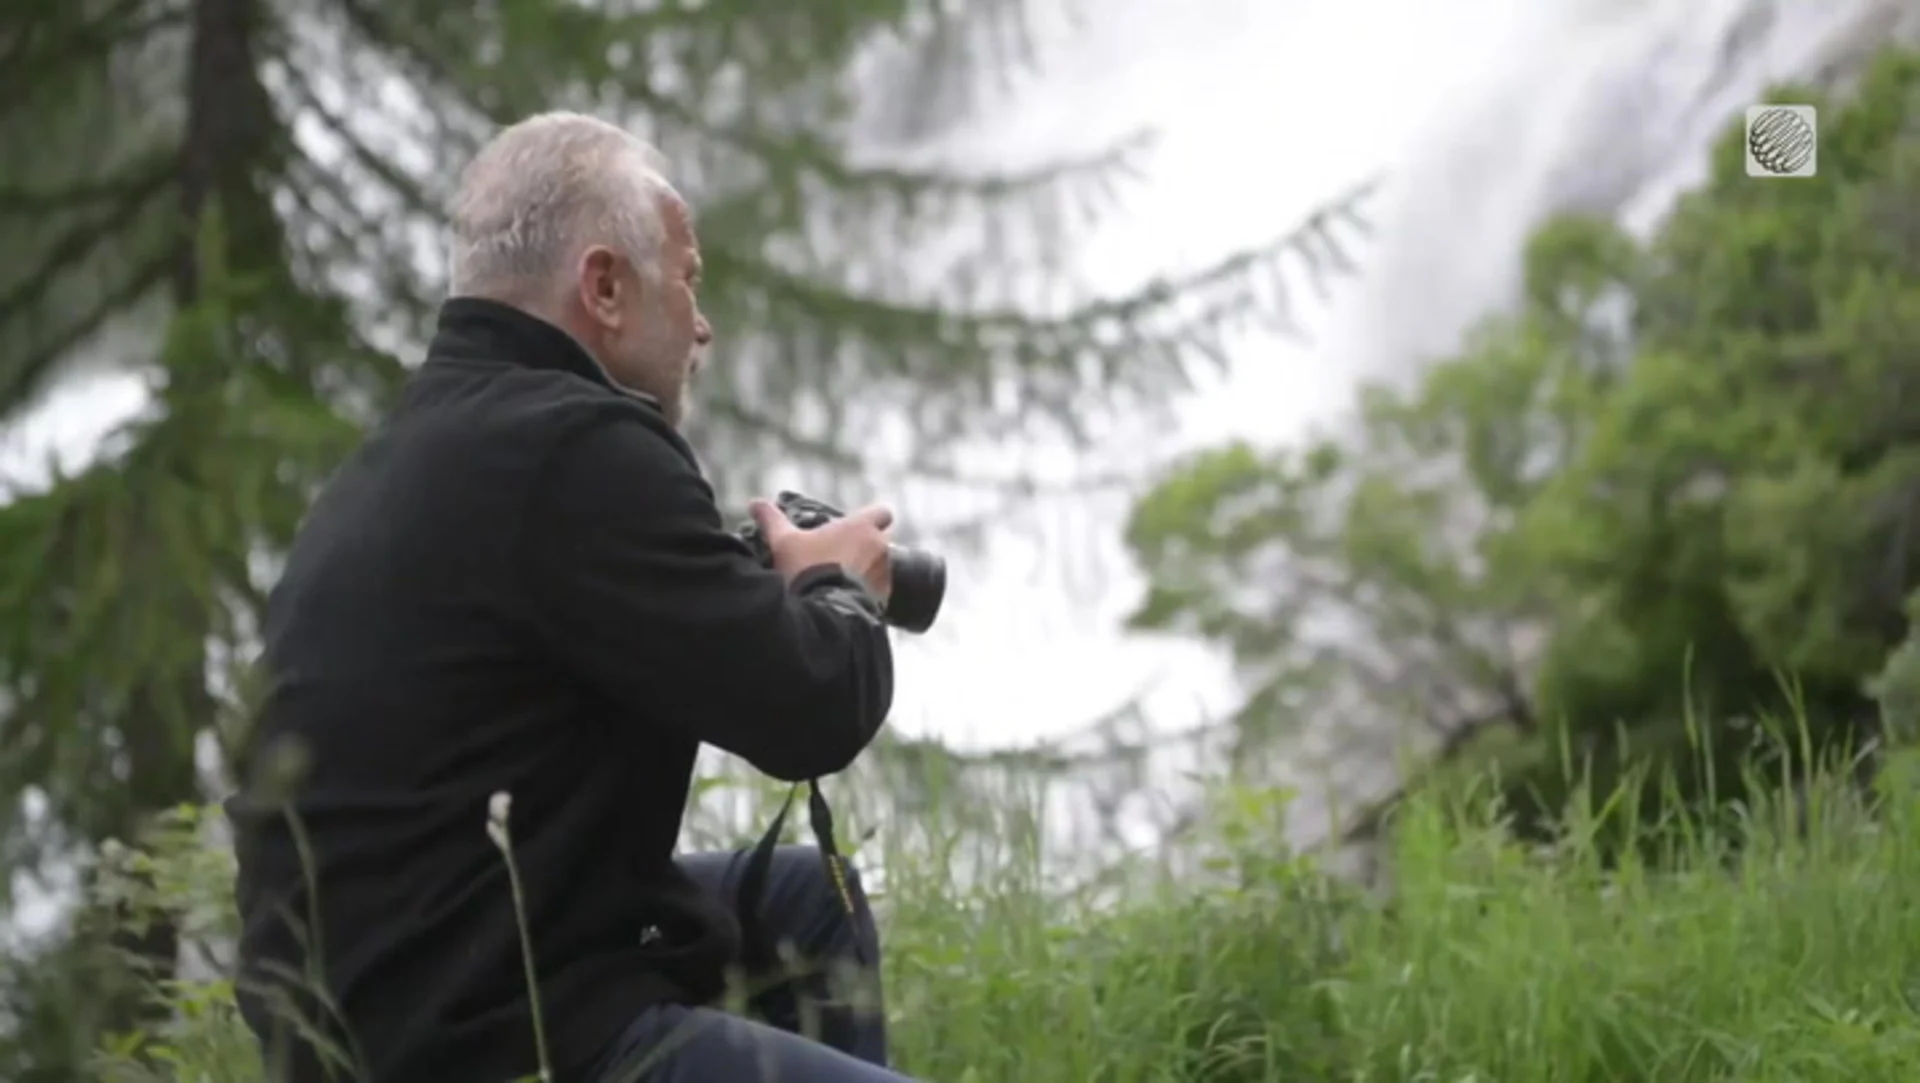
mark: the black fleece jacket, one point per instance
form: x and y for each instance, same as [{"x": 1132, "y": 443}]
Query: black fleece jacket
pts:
[{"x": 519, "y": 584}]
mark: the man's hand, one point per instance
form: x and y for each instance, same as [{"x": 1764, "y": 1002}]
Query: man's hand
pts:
[{"x": 858, "y": 543}]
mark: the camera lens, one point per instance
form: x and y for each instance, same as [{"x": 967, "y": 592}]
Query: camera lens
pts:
[{"x": 919, "y": 588}]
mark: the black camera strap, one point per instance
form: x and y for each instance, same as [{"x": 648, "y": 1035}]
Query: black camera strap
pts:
[{"x": 758, "y": 950}]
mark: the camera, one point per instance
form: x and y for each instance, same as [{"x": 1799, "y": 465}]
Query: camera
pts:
[{"x": 919, "y": 577}]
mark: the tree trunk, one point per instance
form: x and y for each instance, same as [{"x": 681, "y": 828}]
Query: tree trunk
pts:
[{"x": 224, "y": 166}]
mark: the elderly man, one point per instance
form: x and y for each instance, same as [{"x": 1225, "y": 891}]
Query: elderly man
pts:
[{"x": 521, "y": 585}]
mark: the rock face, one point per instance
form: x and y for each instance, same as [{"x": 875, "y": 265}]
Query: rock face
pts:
[{"x": 1608, "y": 111}]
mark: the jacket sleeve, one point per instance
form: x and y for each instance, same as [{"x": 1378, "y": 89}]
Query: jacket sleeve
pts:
[{"x": 634, "y": 580}]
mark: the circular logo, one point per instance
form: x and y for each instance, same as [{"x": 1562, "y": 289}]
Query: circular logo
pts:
[{"x": 1781, "y": 141}]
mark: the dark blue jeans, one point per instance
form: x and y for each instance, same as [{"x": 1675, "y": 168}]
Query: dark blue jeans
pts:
[{"x": 815, "y": 1031}]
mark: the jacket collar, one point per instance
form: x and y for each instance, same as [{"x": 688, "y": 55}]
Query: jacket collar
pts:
[{"x": 483, "y": 329}]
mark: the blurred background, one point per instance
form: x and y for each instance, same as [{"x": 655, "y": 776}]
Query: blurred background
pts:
[{"x": 1256, "y": 363}]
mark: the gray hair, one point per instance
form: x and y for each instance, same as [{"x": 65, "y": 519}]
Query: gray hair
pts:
[{"x": 545, "y": 187}]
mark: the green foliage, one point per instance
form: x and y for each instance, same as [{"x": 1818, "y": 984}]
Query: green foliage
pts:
[
  {"x": 1678, "y": 482},
  {"x": 1779, "y": 946},
  {"x": 182, "y": 875}
]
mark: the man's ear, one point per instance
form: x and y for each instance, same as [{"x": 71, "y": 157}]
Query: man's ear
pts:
[{"x": 601, "y": 285}]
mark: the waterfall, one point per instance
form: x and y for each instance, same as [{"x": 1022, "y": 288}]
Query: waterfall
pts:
[{"x": 1606, "y": 107}]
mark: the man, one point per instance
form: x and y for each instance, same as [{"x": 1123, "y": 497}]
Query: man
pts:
[{"x": 521, "y": 584}]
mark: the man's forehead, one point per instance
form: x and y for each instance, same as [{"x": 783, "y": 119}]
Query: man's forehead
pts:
[{"x": 679, "y": 220}]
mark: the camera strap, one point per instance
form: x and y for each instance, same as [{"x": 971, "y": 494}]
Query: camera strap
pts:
[{"x": 758, "y": 951}]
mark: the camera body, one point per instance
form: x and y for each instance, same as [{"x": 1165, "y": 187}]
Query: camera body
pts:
[{"x": 919, "y": 577}]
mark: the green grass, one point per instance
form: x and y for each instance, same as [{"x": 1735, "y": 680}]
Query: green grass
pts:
[{"x": 1784, "y": 944}]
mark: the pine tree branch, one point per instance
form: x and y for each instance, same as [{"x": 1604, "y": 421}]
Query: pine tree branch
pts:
[
  {"x": 25, "y": 66},
  {"x": 805, "y": 152},
  {"x": 905, "y": 359},
  {"x": 349, "y": 228},
  {"x": 311, "y": 179},
  {"x": 24, "y": 375},
  {"x": 382, "y": 33},
  {"x": 77, "y": 243},
  {"x": 794, "y": 154},
  {"x": 582, "y": 36},
  {"x": 407, "y": 189},
  {"x": 73, "y": 195},
  {"x": 789, "y": 438},
  {"x": 1109, "y": 328}
]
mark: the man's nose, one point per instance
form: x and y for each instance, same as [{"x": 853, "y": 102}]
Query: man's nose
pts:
[{"x": 702, "y": 331}]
